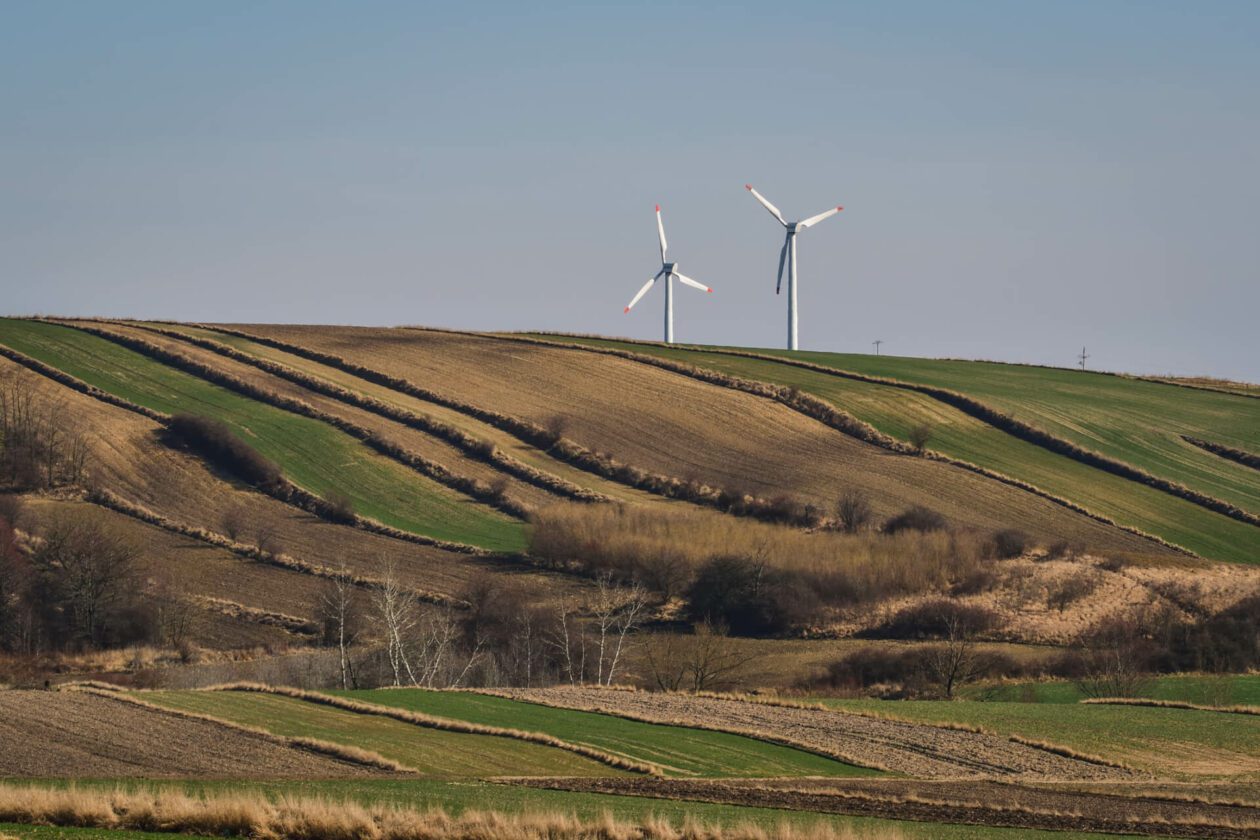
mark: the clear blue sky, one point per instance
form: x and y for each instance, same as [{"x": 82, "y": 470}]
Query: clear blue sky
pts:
[{"x": 1019, "y": 178}]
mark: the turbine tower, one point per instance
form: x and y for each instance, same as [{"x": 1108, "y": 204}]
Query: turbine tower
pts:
[
  {"x": 788, "y": 255},
  {"x": 669, "y": 271}
]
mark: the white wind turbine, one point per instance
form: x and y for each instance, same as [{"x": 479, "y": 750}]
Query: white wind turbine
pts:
[
  {"x": 788, "y": 254},
  {"x": 669, "y": 271}
]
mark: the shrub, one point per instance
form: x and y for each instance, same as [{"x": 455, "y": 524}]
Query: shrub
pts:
[
  {"x": 1010, "y": 543},
  {"x": 749, "y": 598},
  {"x": 853, "y": 511},
  {"x": 214, "y": 441},
  {"x": 916, "y": 518},
  {"x": 920, "y": 435},
  {"x": 339, "y": 508},
  {"x": 1071, "y": 589},
  {"x": 937, "y": 619}
]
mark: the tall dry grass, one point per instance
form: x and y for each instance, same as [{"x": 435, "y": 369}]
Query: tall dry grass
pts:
[
  {"x": 663, "y": 549},
  {"x": 309, "y": 818}
]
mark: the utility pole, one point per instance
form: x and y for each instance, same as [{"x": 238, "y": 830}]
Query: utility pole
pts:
[
  {"x": 1081, "y": 358},
  {"x": 877, "y": 342}
]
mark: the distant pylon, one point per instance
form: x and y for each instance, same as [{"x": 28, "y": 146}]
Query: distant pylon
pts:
[
  {"x": 1081, "y": 358},
  {"x": 877, "y": 342}
]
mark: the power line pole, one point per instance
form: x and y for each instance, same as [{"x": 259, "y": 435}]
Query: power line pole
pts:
[
  {"x": 877, "y": 342},
  {"x": 1081, "y": 358}
]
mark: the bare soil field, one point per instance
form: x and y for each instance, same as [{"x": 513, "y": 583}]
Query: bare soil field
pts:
[
  {"x": 913, "y": 749},
  {"x": 975, "y": 802},
  {"x": 75, "y": 734},
  {"x": 674, "y": 425},
  {"x": 127, "y": 458}
]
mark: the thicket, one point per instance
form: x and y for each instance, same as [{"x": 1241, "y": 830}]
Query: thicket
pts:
[
  {"x": 215, "y": 441},
  {"x": 41, "y": 444}
]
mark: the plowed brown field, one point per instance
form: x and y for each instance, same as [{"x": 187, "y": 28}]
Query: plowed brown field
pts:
[
  {"x": 74, "y": 734},
  {"x": 668, "y": 423}
]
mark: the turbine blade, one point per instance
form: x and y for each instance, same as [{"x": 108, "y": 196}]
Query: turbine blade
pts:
[
  {"x": 641, "y": 293},
  {"x": 782, "y": 259},
  {"x": 660, "y": 229},
  {"x": 774, "y": 211},
  {"x": 692, "y": 283},
  {"x": 813, "y": 220}
]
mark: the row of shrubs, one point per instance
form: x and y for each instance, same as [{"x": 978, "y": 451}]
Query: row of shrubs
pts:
[{"x": 492, "y": 495}]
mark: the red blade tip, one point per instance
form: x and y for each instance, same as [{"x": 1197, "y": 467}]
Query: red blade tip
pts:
[
  {"x": 627, "y": 309},
  {"x": 748, "y": 186},
  {"x": 839, "y": 208},
  {"x": 658, "y": 208},
  {"x": 707, "y": 289}
]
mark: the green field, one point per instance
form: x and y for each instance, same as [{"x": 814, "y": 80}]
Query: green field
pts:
[
  {"x": 1172, "y": 742},
  {"x": 458, "y": 796},
  {"x": 313, "y": 454},
  {"x": 1208, "y": 690},
  {"x": 680, "y": 751},
  {"x": 895, "y": 411},
  {"x": 433, "y": 752}
]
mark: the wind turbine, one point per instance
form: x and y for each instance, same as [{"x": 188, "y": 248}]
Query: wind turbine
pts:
[
  {"x": 669, "y": 271},
  {"x": 788, "y": 254}
]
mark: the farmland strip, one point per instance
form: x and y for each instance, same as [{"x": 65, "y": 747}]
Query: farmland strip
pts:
[
  {"x": 827, "y": 414},
  {"x": 447, "y": 724},
  {"x": 1239, "y": 456},
  {"x": 283, "y": 490},
  {"x": 979, "y": 410},
  {"x": 471, "y": 446},
  {"x": 424, "y": 466},
  {"x": 562, "y": 448}
]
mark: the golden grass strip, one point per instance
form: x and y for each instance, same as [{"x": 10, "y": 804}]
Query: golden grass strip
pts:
[
  {"x": 470, "y": 445},
  {"x": 253, "y": 815},
  {"x": 445, "y": 724},
  {"x": 1170, "y": 704},
  {"x": 1238, "y": 456},
  {"x": 341, "y": 752}
]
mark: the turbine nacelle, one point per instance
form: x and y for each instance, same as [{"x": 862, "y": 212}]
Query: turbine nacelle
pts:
[{"x": 669, "y": 268}]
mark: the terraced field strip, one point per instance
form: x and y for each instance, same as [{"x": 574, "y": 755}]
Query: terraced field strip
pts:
[
  {"x": 662, "y": 424},
  {"x": 679, "y": 751},
  {"x": 896, "y": 411},
  {"x": 314, "y": 455},
  {"x": 431, "y": 751},
  {"x": 514, "y": 447},
  {"x": 1134, "y": 420},
  {"x": 1167, "y": 742},
  {"x": 898, "y": 746},
  {"x": 74, "y": 733},
  {"x": 1206, "y": 689}
]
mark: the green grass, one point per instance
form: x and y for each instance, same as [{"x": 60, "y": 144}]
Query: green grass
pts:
[
  {"x": 680, "y": 751},
  {"x": 458, "y": 796},
  {"x": 48, "y": 832},
  {"x": 895, "y": 411},
  {"x": 1180, "y": 742},
  {"x": 313, "y": 454},
  {"x": 433, "y": 752},
  {"x": 1225, "y": 690}
]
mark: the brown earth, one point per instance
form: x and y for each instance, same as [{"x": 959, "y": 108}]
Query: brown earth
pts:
[
  {"x": 911, "y": 748},
  {"x": 668, "y": 423},
  {"x": 75, "y": 734},
  {"x": 973, "y": 802}
]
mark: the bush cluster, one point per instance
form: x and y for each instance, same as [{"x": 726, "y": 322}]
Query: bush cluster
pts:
[{"x": 213, "y": 440}]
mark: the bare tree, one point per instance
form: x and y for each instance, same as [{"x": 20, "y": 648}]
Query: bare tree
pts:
[
  {"x": 1114, "y": 659},
  {"x": 396, "y": 614},
  {"x": 234, "y": 521},
  {"x": 853, "y": 511},
  {"x": 955, "y": 661},
  {"x": 617, "y": 613},
  {"x": 706, "y": 660},
  {"x": 339, "y": 606}
]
